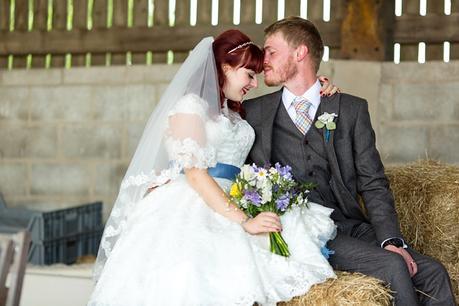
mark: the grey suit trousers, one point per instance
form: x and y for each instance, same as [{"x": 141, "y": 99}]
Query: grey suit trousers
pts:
[{"x": 360, "y": 252}]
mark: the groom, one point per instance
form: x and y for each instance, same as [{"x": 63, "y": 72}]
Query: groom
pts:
[{"x": 342, "y": 159}]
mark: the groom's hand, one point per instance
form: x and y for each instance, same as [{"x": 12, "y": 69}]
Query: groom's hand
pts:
[{"x": 411, "y": 264}]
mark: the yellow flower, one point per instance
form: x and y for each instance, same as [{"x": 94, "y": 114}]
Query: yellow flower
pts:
[{"x": 234, "y": 191}]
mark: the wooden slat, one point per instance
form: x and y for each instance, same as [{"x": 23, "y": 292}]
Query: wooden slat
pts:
[
  {"x": 315, "y": 10},
  {"x": 410, "y": 7},
  {"x": 434, "y": 52},
  {"x": 39, "y": 24},
  {"x": 269, "y": 11},
  {"x": 454, "y": 51},
  {"x": 40, "y": 14},
  {"x": 225, "y": 12},
  {"x": 204, "y": 12},
  {"x": 140, "y": 20},
  {"x": 435, "y": 7},
  {"x": 21, "y": 14},
  {"x": 20, "y": 24},
  {"x": 248, "y": 11},
  {"x": 120, "y": 40},
  {"x": 4, "y": 14},
  {"x": 3, "y": 62},
  {"x": 80, "y": 13},
  {"x": 59, "y": 23},
  {"x": 430, "y": 29},
  {"x": 454, "y": 6},
  {"x": 60, "y": 14},
  {"x": 120, "y": 8},
  {"x": 408, "y": 52},
  {"x": 99, "y": 18},
  {"x": 140, "y": 13},
  {"x": 182, "y": 18},
  {"x": 161, "y": 19},
  {"x": 292, "y": 8}
]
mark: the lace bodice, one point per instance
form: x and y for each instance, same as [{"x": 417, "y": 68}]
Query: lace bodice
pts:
[
  {"x": 206, "y": 141},
  {"x": 232, "y": 137}
]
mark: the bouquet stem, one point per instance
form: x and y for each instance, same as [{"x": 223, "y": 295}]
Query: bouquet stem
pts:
[{"x": 278, "y": 244}]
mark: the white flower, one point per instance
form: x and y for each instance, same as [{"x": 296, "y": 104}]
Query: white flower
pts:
[
  {"x": 326, "y": 117},
  {"x": 266, "y": 196},
  {"x": 326, "y": 120},
  {"x": 248, "y": 173}
]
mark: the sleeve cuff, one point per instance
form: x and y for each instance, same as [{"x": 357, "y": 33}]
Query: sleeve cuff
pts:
[{"x": 404, "y": 245}]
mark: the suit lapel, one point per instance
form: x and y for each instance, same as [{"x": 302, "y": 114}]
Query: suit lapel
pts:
[{"x": 269, "y": 111}]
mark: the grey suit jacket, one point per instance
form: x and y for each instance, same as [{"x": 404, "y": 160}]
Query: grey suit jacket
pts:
[{"x": 355, "y": 164}]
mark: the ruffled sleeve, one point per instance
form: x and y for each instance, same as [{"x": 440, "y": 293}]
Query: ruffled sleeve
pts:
[{"x": 186, "y": 138}]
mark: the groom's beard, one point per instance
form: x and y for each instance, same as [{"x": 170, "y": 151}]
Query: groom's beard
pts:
[{"x": 282, "y": 75}]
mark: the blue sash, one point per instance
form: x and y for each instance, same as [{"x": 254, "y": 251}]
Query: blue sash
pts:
[{"x": 225, "y": 171}]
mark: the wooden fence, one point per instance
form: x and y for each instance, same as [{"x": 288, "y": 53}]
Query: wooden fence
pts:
[{"x": 58, "y": 33}]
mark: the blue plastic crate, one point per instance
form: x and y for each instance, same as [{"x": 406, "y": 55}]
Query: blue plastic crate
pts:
[
  {"x": 65, "y": 250},
  {"x": 50, "y": 225}
]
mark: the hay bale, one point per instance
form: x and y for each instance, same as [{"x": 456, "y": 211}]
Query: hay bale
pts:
[
  {"x": 427, "y": 201},
  {"x": 347, "y": 289}
]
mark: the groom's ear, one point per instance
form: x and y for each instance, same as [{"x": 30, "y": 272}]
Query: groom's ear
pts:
[{"x": 301, "y": 52}]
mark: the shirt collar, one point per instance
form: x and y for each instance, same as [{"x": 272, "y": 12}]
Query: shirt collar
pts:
[{"x": 312, "y": 94}]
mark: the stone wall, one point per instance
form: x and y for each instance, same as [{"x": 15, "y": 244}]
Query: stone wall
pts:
[{"x": 66, "y": 136}]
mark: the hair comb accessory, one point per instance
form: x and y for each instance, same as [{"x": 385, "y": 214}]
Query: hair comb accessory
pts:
[{"x": 240, "y": 46}]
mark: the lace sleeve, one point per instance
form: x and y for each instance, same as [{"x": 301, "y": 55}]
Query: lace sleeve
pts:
[{"x": 186, "y": 139}]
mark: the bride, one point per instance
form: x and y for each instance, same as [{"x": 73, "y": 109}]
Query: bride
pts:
[{"x": 173, "y": 236}]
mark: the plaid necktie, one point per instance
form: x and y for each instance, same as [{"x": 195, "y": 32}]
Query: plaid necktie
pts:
[{"x": 302, "y": 121}]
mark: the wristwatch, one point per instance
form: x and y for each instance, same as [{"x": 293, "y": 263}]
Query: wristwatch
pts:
[{"x": 397, "y": 242}]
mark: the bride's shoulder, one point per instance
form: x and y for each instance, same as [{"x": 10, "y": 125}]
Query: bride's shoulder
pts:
[{"x": 191, "y": 104}]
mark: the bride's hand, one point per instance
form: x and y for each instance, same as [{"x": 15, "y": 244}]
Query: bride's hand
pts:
[
  {"x": 327, "y": 89},
  {"x": 264, "y": 222}
]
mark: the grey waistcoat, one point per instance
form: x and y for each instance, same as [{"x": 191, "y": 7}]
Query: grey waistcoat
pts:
[{"x": 307, "y": 157}]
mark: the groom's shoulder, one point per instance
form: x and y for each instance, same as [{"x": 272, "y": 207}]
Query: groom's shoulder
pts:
[
  {"x": 351, "y": 99},
  {"x": 351, "y": 103}
]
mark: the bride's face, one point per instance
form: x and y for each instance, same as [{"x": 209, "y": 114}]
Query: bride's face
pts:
[{"x": 238, "y": 82}]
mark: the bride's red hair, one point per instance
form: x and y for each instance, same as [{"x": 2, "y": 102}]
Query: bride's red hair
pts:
[{"x": 249, "y": 56}]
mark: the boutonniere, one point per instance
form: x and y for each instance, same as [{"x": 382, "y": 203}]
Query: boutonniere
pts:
[{"x": 326, "y": 120}]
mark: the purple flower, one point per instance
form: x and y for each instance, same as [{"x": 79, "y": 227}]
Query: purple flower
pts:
[
  {"x": 284, "y": 171},
  {"x": 283, "y": 202},
  {"x": 253, "y": 197}
]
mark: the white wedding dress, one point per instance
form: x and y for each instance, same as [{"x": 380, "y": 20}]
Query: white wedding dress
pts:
[{"x": 175, "y": 250}]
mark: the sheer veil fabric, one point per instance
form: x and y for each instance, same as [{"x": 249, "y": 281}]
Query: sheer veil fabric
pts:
[{"x": 150, "y": 165}]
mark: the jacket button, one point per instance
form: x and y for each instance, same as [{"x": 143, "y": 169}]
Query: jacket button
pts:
[
  {"x": 308, "y": 157},
  {"x": 311, "y": 173}
]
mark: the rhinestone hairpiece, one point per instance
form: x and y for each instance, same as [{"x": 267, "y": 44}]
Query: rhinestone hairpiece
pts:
[{"x": 240, "y": 46}]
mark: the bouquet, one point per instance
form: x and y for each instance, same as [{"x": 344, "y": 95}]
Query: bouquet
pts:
[{"x": 259, "y": 189}]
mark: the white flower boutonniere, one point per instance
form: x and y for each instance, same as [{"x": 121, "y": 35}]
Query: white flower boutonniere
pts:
[{"x": 326, "y": 120}]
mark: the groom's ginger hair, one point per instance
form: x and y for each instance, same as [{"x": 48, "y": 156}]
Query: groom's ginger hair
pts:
[{"x": 298, "y": 31}]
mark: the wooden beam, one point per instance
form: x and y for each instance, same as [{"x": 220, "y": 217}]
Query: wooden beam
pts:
[
  {"x": 119, "y": 40},
  {"x": 432, "y": 28},
  {"x": 367, "y": 30}
]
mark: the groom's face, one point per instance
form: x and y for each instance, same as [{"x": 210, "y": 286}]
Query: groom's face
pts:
[{"x": 279, "y": 65}]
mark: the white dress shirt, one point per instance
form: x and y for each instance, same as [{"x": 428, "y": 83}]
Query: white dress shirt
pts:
[{"x": 312, "y": 95}]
